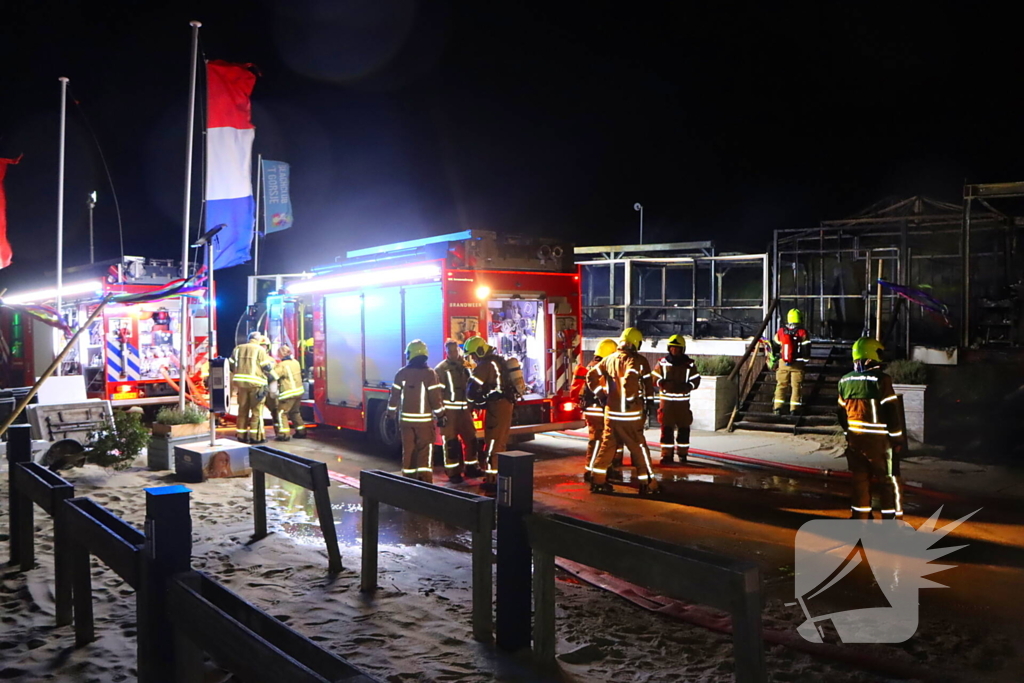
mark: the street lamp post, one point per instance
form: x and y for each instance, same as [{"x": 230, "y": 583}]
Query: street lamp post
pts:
[
  {"x": 640, "y": 207},
  {"x": 91, "y": 203}
]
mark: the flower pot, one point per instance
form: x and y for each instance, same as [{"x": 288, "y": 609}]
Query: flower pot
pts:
[
  {"x": 712, "y": 403},
  {"x": 175, "y": 431}
]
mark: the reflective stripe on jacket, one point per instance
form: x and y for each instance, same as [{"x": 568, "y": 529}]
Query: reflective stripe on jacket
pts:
[
  {"x": 249, "y": 364},
  {"x": 417, "y": 393},
  {"x": 675, "y": 380},
  {"x": 454, "y": 376},
  {"x": 289, "y": 379},
  {"x": 486, "y": 384},
  {"x": 870, "y": 404},
  {"x": 628, "y": 381}
]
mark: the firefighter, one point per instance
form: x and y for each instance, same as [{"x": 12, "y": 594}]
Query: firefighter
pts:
[
  {"x": 592, "y": 401},
  {"x": 491, "y": 387},
  {"x": 289, "y": 395},
  {"x": 792, "y": 344},
  {"x": 873, "y": 423},
  {"x": 627, "y": 377},
  {"x": 676, "y": 376},
  {"x": 454, "y": 376},
  {"x": 249, "y": 367},
  {"x": 416, "y": 394}
]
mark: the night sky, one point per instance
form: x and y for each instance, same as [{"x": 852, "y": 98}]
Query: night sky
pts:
[{"x": 403, "y": 119}]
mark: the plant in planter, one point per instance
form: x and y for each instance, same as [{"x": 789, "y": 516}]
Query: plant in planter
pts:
[
  {"x": 713, "y": 366},
  {"x": 117, "y": 445},
  {"x": 173, "y": 422},
  {"x": 907, "y": 372}
]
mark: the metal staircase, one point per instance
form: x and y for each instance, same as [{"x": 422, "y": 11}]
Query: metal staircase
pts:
[{"x": 829, "y": 361}]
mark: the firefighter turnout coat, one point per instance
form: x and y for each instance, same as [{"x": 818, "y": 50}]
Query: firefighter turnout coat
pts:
[
  {"x": 416, "y": 400},
  {"x": 794, "y": 345},
  {"x": 874, "y": 426},
  {"x": 489, "y": 384},
  {"x": 289, "y": 395},
  {"x": 250, "y": 364},
  {"x": 592, "y": 403},
  {"x": 675, "y": 377},
  {"x": 454, "y": 378},
  {"x": 629, "y": 383}
]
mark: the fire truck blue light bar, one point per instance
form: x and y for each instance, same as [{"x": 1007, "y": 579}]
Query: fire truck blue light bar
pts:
[
  {"x": 365, "y": 279},
  {"x": 411, "y": 244}
]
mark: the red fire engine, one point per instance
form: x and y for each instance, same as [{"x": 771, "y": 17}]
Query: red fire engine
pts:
[
  {"x": 521, "y": 294},
  {"x": 129, "y": 355}
]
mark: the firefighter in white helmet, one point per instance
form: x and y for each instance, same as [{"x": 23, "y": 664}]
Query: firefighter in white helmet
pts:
[
  {"x": 592, "y": 400},
  {"x": 289, "y": 395},
  {"x": 416, "y": 401},
  {"x": 250, "y": 365},
  {"x": 491, "y": 386},
  {"x": 676, "y": 376},
  {"x": 454, "y": 377},
  {"x": 627, "y": 376}
]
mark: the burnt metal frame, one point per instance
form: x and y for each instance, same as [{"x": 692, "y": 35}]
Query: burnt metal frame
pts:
[
  {"x": 678, "y": 572},
  {"x": 307, "y": 473},
  {"x": 458, "y": 508}
]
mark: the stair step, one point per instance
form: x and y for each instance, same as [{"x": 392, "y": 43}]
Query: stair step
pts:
[{"x": 809, "y": 420}]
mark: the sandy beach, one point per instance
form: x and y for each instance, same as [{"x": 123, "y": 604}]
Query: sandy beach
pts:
[{"x": 416, "y": 627}]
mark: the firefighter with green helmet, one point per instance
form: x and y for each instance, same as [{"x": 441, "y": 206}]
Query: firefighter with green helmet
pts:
[
  {"x": 416, "y": 403},
  {"x": 628, "y": 380},
  {"x": 676, "y": 376},
  {"x": 792, "y": 348},
  {"x": 491, "y": 386},
  {"x": 870, "y": 414}
]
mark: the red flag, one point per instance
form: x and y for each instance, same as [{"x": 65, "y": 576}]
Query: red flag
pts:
[{"x": 5, "y": 246}]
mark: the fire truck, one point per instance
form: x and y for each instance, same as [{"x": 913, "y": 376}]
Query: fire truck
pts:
[
  {"x": 353, "y": 319},
  {"x": 129, "y": 355}
]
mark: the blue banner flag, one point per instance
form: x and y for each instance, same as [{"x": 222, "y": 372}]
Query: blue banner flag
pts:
[{"x": 277, "y": 199}]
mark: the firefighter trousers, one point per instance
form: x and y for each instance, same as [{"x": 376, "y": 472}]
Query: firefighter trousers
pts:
[
  {"x": 869, "y": 456},
  {"x": 497, "y": 424},
  {"x": 675, "y": 418},
  {"x": 459, "y": 427},
  {"x": 249, "y": 423},
  {"x": 628, "y": 433},
  {"x": 595, "y": 430},
  {"x": 789, "y": 382},
  {"x": 288, "y": 409},
  {"x": 417, "y": 444}
]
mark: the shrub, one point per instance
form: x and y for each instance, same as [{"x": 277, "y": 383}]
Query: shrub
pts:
[
  {"x": 711, "y": 366},
  {"x": 117, "y": 445},
  {"x": 907, "y": 372},
  {"x": 192, "y": 415}
]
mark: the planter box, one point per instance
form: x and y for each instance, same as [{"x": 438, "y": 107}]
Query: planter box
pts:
[
  {"x": 176, "y": 431},
  {"x": 160, "y": 451},
  {"x": 913, "y": 407},
  {"x": 197, "y": 462},
  {"x": 712, "y": 403}
]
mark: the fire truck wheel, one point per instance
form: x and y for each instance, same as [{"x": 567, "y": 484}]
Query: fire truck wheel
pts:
[{"x": 384, "y": 431}]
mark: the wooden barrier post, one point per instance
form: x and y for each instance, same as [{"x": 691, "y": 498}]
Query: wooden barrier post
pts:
[
  {"x": 370, "y": 531},
  {"x": 166, "y": 551},
  {"x": 544, "y": 636},
  {"x": 515, "y": 501},
  {"x": 19, "y": 450},
  {"x": 259, "y": 504},
  {"x": 322, "y": 500},
  {"x": 77, "y": 557}
]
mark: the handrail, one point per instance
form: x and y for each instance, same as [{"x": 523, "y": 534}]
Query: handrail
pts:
[{"x": 757, "y": 338}]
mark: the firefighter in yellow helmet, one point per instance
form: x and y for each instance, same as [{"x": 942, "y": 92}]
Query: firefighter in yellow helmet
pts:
[
  {"x": 792, "y": 346},
  {"x": 627, "y": 377},
  {"x": 416, "y": 401},
  {"x": 874, "y": 428},
  {"x": 250, "y": 363},
  {"x": 491, "y": 386},
  {"x": 592, "y": 401},
  {"x": 676, "y": 376},
  {"x": 289, "y": 395},
  {"x": 454, "y": 377}
]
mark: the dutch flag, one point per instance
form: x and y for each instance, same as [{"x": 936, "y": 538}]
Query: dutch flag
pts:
[{"x": 229, "y": 138}]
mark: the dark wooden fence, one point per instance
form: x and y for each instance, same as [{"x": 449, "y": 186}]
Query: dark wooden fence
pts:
[
  {"x": 309, "y": 474},
  {"x": 457, "y": 508}
]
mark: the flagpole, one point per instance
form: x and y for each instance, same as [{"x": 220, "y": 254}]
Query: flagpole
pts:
[
  {"x": 60, "y": 203},
  {"x": 183, "y": 321},
  {"x": 256, "y": 230}
]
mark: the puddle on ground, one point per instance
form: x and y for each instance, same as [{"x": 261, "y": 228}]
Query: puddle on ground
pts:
[{"x": 398, "y": 528}]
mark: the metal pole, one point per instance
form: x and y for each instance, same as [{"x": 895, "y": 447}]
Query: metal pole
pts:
[
  {"x": 60, "y": 202},
  {"x": 640, "y": 207},
  {"x": 211, "y": 340},
  {"x": 92, "y": 205},
  {"x": 183, "y": 352},
  {"x": 878, "y": 302},
  {"x": 965, "y": 249},
  {"x": 256, "y": 224}
]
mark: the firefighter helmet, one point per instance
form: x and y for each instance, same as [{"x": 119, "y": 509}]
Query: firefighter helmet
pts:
[
  {"x": 255, "y": 336},
  {"x": 632, "y": 336},
  {"x": 476, "y": 346},
  {"x": 606, "y": 347},
  {"x": 867, "y": 348},
  {"x": 794, "y": 317},
  {"x": 415, "y": 348},
  {"x": 677, "y": 340}
]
